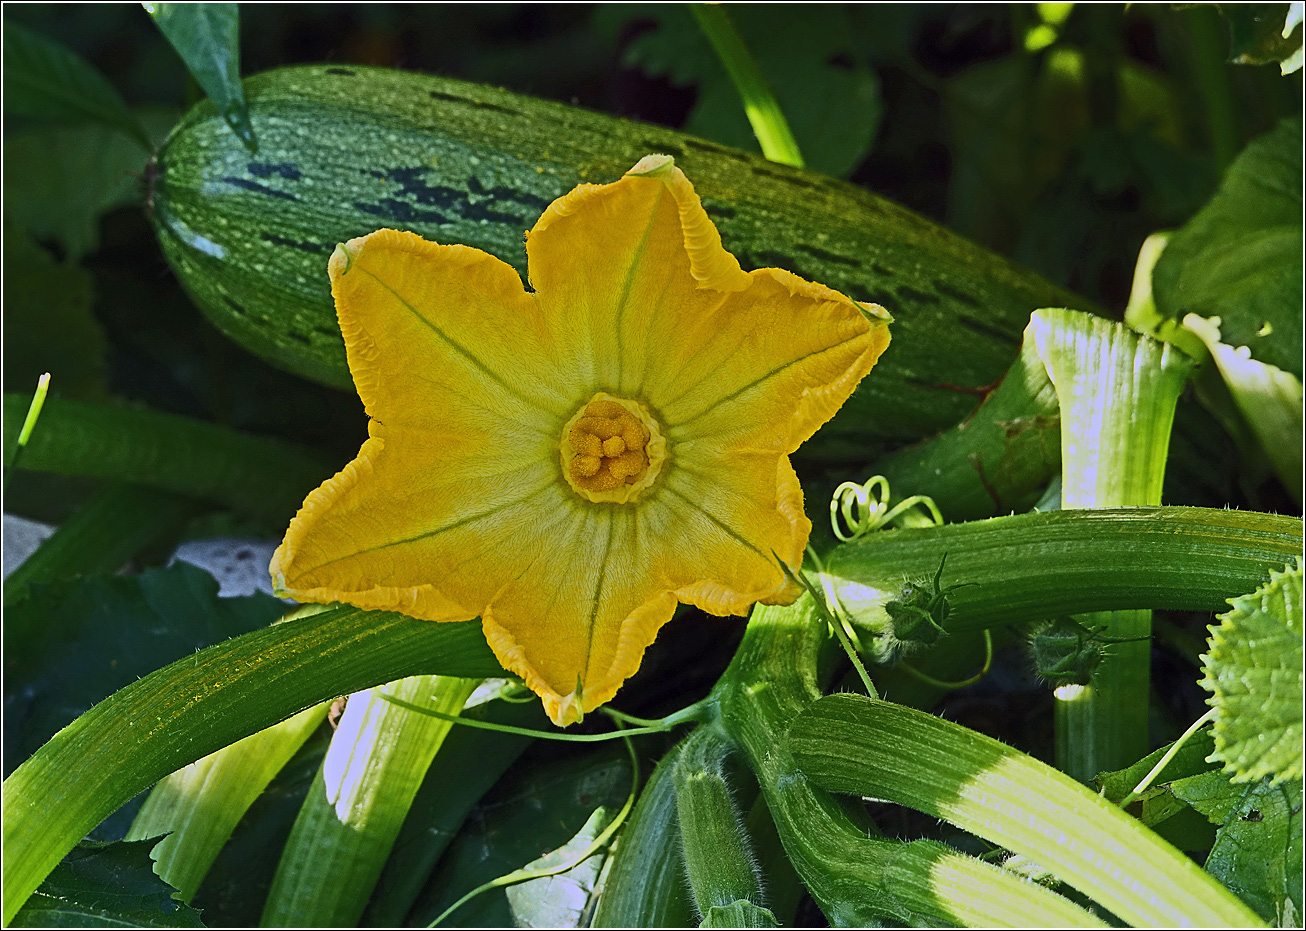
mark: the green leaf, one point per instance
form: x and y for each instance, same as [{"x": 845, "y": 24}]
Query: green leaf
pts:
[
  {"x": 106, "y": 885},
  {"x": 833, "y": 108},
  {"x": 561, "y": 900},
  {"x": 741, "y": 914},
  {"x": 534, "y": 810},
  {"x": 46, "y": 80},
  {"x": 1253, "y": 668},
  {"x": 59, "y": 180},
  {"x": 207, "y": 37},
  {"x": 1264, "y": 33},
  {"x": 48, "y": 323},
  {"x": 1240, "y": 257},
  {"x": 1266, "y": 403},
  {"x": 1157, "y": 804},
  {"x": 97, "y": 635},
  {"x": 200, "y": 704},
  {"x": 1258, "y": 848}
]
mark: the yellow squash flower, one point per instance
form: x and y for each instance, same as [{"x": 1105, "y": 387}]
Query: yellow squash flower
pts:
[{"x": 569, "y": 463}]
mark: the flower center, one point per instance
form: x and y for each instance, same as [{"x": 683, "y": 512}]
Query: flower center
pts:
[{"x": 612, "y": 449}]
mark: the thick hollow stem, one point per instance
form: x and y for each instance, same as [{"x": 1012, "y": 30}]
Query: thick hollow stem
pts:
[
  {"x": 856, "y": 879},
  {"x": 1028, "y": 567},
  {"x": 1117, "y": 392}
]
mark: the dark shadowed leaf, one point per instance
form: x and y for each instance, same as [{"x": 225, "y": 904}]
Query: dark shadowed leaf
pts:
[
  {"x": 809, "y": 57},
  {"x": 1256, "y": 34},
  {"x": 561, "y": 900},
  {"x": 104, "y": 886},
  {"x": 1240, "y": 258},
  {"x": 59, "y": 180},
  {"x": 1258, "y": 847},
  {"x": 46, "y": 80},
  {"x": 48, "y": 323},
  {"x": 97, "y": 635},
  {"x": 531, "y": 812}
]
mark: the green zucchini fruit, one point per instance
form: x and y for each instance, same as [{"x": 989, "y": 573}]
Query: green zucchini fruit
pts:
[{"x": 347, "y": 150}]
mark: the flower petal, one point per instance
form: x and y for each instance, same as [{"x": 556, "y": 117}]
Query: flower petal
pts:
[
  {"x": 404, "y": 528},
  {"x": 576, "y": 622},
  {"x": 436, "y": 328},
  {"x": 770, "y": 365},
  {"x": 613, "y": 264},
  {"x": 463, "y": 445},
  {"x": 728, "y": 524}
]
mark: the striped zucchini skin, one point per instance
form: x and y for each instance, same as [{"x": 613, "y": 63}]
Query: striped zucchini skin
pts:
[{"x": 347, "y": 150}]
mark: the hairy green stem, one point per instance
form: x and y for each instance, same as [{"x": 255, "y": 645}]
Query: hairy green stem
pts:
[
  {"x": 850, "y": 743},
  {"x": 857, "y": 880},
  {"x": 718, "y": 857}
]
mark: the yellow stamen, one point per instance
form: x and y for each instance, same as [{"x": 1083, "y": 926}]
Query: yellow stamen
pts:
[{"x": 612, "y": 449}]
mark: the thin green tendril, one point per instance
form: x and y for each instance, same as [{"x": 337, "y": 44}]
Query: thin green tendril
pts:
[
  {"x": 695, "y": 712},
  {"x": 836, "y": 622},
  {"x": 941, "y": 684},
  {"x": 1167, "y": 757},
  {"x": 866, "y": 507},
  {"x": 698, "y": 712},
  {"x": 525, "y": 875}
]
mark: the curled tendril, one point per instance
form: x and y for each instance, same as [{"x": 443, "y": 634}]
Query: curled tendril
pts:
[{"x": 866, "y": 507}]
